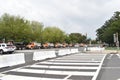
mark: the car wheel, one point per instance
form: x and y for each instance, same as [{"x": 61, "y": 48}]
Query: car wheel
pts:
[
  {"x": 1, "y": 51},
  {"x": 10, "y": 52}
]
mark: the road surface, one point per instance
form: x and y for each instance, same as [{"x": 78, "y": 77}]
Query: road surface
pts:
[
  {"x": 111, "y": 68},
  {"x": 72, "y": 67}
]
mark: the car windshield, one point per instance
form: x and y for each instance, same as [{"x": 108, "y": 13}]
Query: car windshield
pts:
[{"x": 9, "y": 45}]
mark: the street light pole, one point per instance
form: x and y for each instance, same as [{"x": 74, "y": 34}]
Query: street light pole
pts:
[
  {"x": 117, "y": 43},
  {"x": 116, "y": 40}
]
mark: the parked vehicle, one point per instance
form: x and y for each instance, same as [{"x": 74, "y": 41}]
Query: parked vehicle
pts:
[
  {"x": 45, "y": 45},
  {"x": 77, "y": 45},
  {"x": 51, "y": 45},
  {"x": 65, "y": 45},
  {"x": 33, "y": 45},
  {"x": 6, "y": 48},
  {"x": 71, "y": 45},
  {"x": 58, "y": 45},
  {"x": 20, "y": 45}
]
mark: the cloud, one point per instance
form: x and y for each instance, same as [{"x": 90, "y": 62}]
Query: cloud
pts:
[{"x": 84, "y": 16}]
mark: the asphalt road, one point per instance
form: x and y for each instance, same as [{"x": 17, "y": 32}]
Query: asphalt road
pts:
[
  {"x": 71, "y": 67},
  {"x": 111, "y": 68}
]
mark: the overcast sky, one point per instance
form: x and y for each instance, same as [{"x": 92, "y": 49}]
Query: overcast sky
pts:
[{"x": 83, "y": 16}]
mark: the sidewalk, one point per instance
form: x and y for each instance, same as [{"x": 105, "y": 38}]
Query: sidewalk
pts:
[{"x": 104, "y": 51}]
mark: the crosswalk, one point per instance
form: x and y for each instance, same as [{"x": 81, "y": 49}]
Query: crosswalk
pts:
[{"x": 72, "y": 67}]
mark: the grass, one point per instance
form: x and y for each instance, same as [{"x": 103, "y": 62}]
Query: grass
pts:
[{"x": 111, "y": 48}]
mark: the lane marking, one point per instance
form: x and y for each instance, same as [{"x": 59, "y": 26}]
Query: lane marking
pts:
[
  {"x": 15, "y": 77},
  {"x": 69, "y": 73},
  {"x": 57, "y": 72},
  {"x": 63, "y": 67},
  {"x": 98, "y": 70},
  {"x": 66, "y": 78},
  {"x": 118, "y": 55},
  {"x": 109, "y": 57},
  {"x": 110, "y": 67},
  {"x": 71, "y": 63}
]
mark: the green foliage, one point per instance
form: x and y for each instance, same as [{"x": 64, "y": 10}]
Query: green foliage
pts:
[
  {"x": 37, "y": 29},
  {"x": 19, "y": 29},
  {"x": 53, "y": 35},
  {"x": 105, "y": 33},
  {"x": 13, "y": 28},
  {"x": 77, "y": 38}
]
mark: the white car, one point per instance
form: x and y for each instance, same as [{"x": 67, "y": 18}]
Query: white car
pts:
[{"x": 6, "y": 48}]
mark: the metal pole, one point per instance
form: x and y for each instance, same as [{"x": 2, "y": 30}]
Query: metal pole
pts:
[
  {"x": 117, "y": 41},
  {"x": 114, "y": 37}
]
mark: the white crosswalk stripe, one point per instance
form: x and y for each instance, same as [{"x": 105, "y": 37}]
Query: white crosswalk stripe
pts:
[
  {"x": 57, "y": 72},
  {"x": 76, "y": 66},
  {"x": 64, "y": 67},
  {"x": 71, "y": 63},
  {"x": 14, "y": 77}
]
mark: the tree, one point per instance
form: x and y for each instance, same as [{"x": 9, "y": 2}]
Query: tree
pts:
[
  {"x": 36, "y": 28},
  {"x": 14, "y": 28},
  {"x": 105, "y": 33},
  {"x": 19, "y": 29},
  {"x": 77, "y": 38},
  {"x": 53, "y": 35}
]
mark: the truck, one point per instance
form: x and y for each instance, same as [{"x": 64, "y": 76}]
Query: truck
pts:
[
  {"x": 33, "y": 45},
  {"x": 20, "y": 45}
]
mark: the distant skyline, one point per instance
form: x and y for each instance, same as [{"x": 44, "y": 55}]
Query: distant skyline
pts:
[{"x": 79, "y": 16}]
